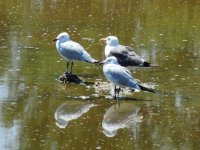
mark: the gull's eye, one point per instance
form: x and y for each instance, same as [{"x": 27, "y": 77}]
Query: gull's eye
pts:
[{"x": 108, "y": 39}]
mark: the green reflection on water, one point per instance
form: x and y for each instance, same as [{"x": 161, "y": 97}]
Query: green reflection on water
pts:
[{"x": 164, "y": 32}]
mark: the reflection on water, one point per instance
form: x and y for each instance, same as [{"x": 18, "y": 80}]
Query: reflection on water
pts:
[
  {"x": 4, "y": 91},
  {"x": 10, "y": 87},
  {"x": 121, "y": 115},
  {"x": 164, "y": 32},
  {"x": 10, "y": 136},
  {"x": 69, "y": 111}
]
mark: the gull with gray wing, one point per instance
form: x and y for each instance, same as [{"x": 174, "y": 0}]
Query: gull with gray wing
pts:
[
  {"x": 71, "y": 51},
  {"x": 125, "y": 55},
  {"x": 120, "y": 76}
]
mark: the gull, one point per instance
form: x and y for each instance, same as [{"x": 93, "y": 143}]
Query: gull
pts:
[
  {"x": 121, "y": 76},
  {"x": 71, "y": 51},
  {"x": 125, "y": 55}
]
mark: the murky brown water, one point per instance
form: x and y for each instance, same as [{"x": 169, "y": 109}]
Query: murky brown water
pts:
[{"x": 37, "y": 112}]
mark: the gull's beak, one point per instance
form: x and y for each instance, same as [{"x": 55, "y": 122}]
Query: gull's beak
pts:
[
  {"x": 102, "y": 40},
  {"x": 55, "y": 40}
]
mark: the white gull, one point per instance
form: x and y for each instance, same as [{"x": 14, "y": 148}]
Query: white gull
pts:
[{"x": 71, "y": 51}]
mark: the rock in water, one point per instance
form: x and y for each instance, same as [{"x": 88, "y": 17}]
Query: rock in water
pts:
[{"x": 72, "y": 78}]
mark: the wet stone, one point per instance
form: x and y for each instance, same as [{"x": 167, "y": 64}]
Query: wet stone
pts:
[{"x": 70, "y": 78}]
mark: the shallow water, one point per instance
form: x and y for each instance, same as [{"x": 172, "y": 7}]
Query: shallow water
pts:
[{"x": 31, "y": 98}]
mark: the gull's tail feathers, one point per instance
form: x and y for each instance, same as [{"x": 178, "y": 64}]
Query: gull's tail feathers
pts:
[
  {"x": 91, "y": 60},
  {"x": 95, "y": 61}
]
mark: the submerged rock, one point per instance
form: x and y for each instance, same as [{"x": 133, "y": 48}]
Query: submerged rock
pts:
[
  {"x": 69, "y": 77},
  {"x": 108, "y": 87}
]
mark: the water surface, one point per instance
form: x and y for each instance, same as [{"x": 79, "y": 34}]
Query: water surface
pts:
[{"x": 164, "y": 32}]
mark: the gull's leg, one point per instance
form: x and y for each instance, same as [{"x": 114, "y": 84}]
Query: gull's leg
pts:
[
  {"x": 67, "y": 68},
  {"x": 71, "y": 67},
  {"x": 115, "y": 92},
  {"x": 118, "y": 90}
]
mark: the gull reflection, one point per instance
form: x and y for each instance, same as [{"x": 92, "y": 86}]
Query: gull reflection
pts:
[
  {"x": 71, "y": 110},
  {"x": 121, "y": 115}
]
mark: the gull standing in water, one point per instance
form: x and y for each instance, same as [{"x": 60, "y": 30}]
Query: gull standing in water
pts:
[
  {"x": 124, "y": 54},
  {"x": 71, "y": 51},
  {"x": 120, "y": 76}
]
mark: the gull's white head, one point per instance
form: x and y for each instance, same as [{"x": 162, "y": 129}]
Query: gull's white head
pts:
[
  {"x": 62, "y": 37},
  {"x": 111, "y": 40},
  {"x": 110, "y": 60}
]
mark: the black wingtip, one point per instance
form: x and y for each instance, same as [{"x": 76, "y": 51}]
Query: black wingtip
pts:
[
  {"x": 143, "y": 88},
  {"x": 148, "y": 64}
]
